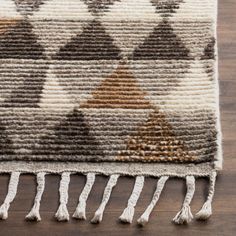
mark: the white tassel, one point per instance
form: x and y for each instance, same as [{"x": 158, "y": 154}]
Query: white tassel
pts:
[
  {"x": 12, "y": 190},
  {"x": 81, "y": 208},
  {"x": 128, "y": 213},
  {"x": 34, "y": 213},
  {"x": 206, "y": 210},
  {"x": 107, "y": 193},
  {"x": 62, "y": 212},
  {"x": 185, "y": 216},
  {"x": 143, "y": 220}
]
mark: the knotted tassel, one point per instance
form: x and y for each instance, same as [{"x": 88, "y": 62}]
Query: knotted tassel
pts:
[
  {"x": 206, "y": 210},
  {"x": 128, "y": 213},
  {"x": 81, "y": 208},
  {"x": 143, "y": 220},
  {"x": 34, "y": 213},
  {"x": 62, "y": 212},
  {"x": 107, "y": 193},
  {"x": 12, "y": 190},
  {"x": 185, "y": 216}
]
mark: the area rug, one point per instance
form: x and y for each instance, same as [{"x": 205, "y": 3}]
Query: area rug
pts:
[{"x": 112, "y": 87}]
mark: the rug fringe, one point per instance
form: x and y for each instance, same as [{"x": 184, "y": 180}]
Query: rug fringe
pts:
[
  {"x": 62, "y": 213},
  {"x": 107, "y": 193},
  {"x": 184, "y": 216},
  {"x": 80, "y": 212},
  {"x": 34, "y": 213},
  {"x": 206, "y": 210},
  {"x": 12, "y": 190},
  {"x": 128, "y": 213},
  {"x": 143, "y": 220}
]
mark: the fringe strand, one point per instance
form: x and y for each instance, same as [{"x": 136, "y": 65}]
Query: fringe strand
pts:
[
  {"x": 184, "y": 216},
  {"x": 128, "y": 213},
  {"x": 80, "y": 212},
  {"x": 12, "y": 190},
  {"x": 34, "y": 213},
  {"x": 143, "y": 220},
  {"x": 62, "y": 213},
  {"x": 206, "y": 210},
  {"x": 107, "y": 193}
]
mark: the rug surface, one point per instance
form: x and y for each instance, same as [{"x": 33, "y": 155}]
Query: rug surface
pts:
[{"x": 114, "y": 87}]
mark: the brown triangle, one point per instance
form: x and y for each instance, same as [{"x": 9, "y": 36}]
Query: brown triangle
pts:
[
  {"x": 155, "y": 142},
  {"x": 120, "y": 90}
]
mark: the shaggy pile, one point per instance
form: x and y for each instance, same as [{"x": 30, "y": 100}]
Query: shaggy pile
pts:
[{"x": 113, "y": 87}]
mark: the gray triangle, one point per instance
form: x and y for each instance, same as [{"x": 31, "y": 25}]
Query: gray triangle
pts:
[{"x": 27, "y": 7}]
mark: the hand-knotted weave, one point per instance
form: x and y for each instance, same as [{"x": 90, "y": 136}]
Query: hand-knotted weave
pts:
[{"x": 113, "y": 87}]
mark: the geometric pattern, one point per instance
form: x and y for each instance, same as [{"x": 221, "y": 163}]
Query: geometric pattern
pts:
[
  {"x": 101, "y": 6},
  {"x": 166, "y": 7},
  {"x": 108, "y": 80}
]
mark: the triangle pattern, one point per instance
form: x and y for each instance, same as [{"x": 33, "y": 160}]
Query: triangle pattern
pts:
[
  {"x": 80, "y": 81},
  {"x": 96, "y": 6},
  {"x": 6, "y": 145},
  {"x": 53, "y": 35},
  {"x": 72, "y": 139},
  {"x": 54, "y": 10},
  {"x": 155, "y": 75},
  {"x": 199, "y": 36},
  {"x": 26, "y": 7},
  {"x": 166, "y": 7},
  {"x": 113, "y": 127},
  {"x": 120, "y": 90},
  {"x": 187, "y": 94},
  {"x": 20, "y": 43},
  {"x": 92, "y": 44},
  {"x": 161, "y": 46},
  {"x": 128, "y": 34},
  {"x": 53, "y": 96},
  {"x": 29, "y": 126},
  {"x": 195, "y": 10},
  {"x": 155, "y": 141},
  {"x": 131, "y": 11},
  {"x": 27, "y": 94},
  {"x": 209, "y": 51}
]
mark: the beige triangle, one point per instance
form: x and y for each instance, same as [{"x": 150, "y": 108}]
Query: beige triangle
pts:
[
  {"x": 131, "y": 10},
  {"x": 70, "y": 10},
  {"x": 8, "y": 10},
  {"x": 128, "y": 35},
  {"x": 53, "y": 96}
]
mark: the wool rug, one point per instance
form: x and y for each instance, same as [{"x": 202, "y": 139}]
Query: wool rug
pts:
[{"x": 112, "y": 87}]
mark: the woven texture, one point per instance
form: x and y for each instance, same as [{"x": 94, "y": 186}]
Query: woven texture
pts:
[
  {"x": 113, "y": 87},
  {"x": 108, "y": 80}
]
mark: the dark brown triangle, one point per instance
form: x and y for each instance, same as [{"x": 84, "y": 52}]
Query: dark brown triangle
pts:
[
  {"x": 162, "y": 43},
  {"x": 20, "y": 43},
  {"x": 72, "y": 139},
  {"x": 96, "y": 6},
  {"x": 166, "y": 7},
  {"x": 6, "y": 144},
  {"x": 209, "y": 51},
  {"x": 92, "y": 44},
  {"x": 156, "y": 142},
  {"x": 28, "y": 92},
  {"x": 120, "y": 90}
]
